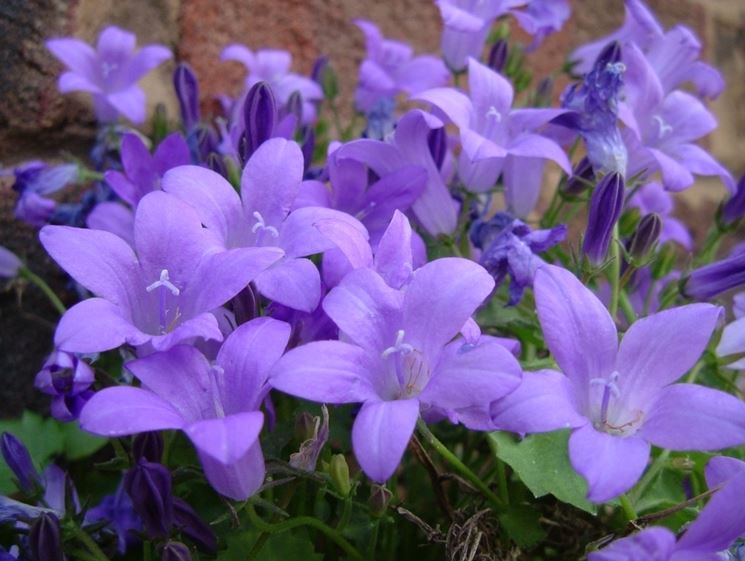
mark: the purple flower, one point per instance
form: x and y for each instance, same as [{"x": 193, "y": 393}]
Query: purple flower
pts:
[
  {"x": 718, "y": 524},
  {"x": 391, "y": 68},
  {"x": 673, "y": 54},
  {"x": 652, "y": 197},
  {"x": 605, "y": 210},
  {"x": 260, "y": 216},
  {"x": 67, "y": 378},
  {"x": 398, "y": 358},
  {"x": 594, "y": 105},
  {"x": 33, "y": 182},
  {"x": 540, "y": 18},
  {"x": 497, "y": 139},
  {"x": 142, "y": 172},
  {"x": 711, "y": 280},
  {"x": 509, "y": 246},
  {"x": 732, "y": 342},
  {"x": 187, "y": 91},
  {"x": 434, "y": 209},
  {"x": 661, "y": 129},
  {"x": 159, "y": 293},
  {"x": 734, "y": 208},
  {"x": 118, "y": 511},
  {"x": 10, "y": 264},
  {"x": 273, "y": 67},
  {"x": 110, "y": 72},
  {"x": 216, "y": 405},
  {"x": 619, "y": 399}
]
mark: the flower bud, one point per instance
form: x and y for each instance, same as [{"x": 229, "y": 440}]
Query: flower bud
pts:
[
  {"x": 605, "y": 209},
  {"x": 187, "y": 92},
  {"x": 324, "y": 74},
  {"x": 44, "y": 538},
  {"x": 711, "y": 280},
  {"x": 305, "y": 426},
  {"x": 149, "y": 486},
  {"x": 19, "y": 461},
  {"x": 734, "y": 208},
  {"x": 175, "y": 551},
  {"x": 192, "y": 526},
  {"x": 307, "y": 146},
  {"x": 645, "y": 237},
  {"x": 437, "y": 140},
  {"x": 339, "y": 472},
  {"x": 581, "y": 178},
  {"x": 380, "y": 496},
  {"x": 67, "y": 378},
  {"x": 294, "y": 106},
  {"x": 498, "y": 55},
  {"x": 148, "y": 446},
  {"x": 9, "y": 264},
  {"x": 260, "y": 114},
  {"x": 307, "y": 457}
]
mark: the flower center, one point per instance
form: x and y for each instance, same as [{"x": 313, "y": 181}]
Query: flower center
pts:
[
  {"x": 411, "y": 368},
  {"x": 615, "y": 421},
  {"x": 165, "y": 285},
  {"x": 663, "y": 127},
  {"x": 494, "y": 114},
  {"x": 260, "y": 228}
]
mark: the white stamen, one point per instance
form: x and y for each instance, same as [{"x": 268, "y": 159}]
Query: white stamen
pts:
[
  {"x": 616, "y": 67},
  {"x": 494, "y": 113},
  {"x": 399, "y": 346},
  {"x": 164, "y": 281},
  {"x": 664, "y": 127},
  {"x": 261, "y": 225}
]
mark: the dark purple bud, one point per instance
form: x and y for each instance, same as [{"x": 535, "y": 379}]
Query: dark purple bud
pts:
[
  {"x": 188, "y": 522},
  {"x": 175, "y": 551},
  {"x": 148, "y": 446},
  {"x": 19, "y": 461},
  {"x": 498, "y": 55},
  {"x": 217, "y": 164},
  {"x": 581, "y": 178},
  {"x": 645, "y": 237},
  {"x": 260, "y": 114},
  {"x": 734, "y": 208},
  {"x": 319, "y": 68},
  {"x": 605, "y": 209},
  {"x": 244, "y": 305},
  {"x": 711, "y": 280},
  {"x": 438, "y": 145},
  {"x": 67, "y": 408},
  {"x": 308, "y": 146},
  {"x": 44, "y": 538},
  {"x": 187, "y": 91},
  {"x": 149, "y": 486}
]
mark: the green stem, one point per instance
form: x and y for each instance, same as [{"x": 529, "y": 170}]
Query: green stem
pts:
[
  {"x": 459, "y": 466},
  {"x": 39, "y": 282},
  {"x": 652, "y": 472},
  {"x": 286, "y": 525},
  {"x": 504, "y": 492},
  {"x": 373, "y": 540},
  {"x": 628, "y": 508},
  {"x": 711, "y": 244},
  {"x": 628, "y": 309},
  {"x": 615, "y": 273},
  {"x": 83, "y": 537}
]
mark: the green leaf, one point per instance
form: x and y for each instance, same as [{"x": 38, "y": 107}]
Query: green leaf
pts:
[
  {"x": 521, "y": 523},
  {"x": 542, "y": 463},
  {"x": 78, "y": 444}
]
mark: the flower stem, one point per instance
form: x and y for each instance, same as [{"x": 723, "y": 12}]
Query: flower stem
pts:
[
  {"x": 628, "y": 309},
  {"x": 615, "y": 273},
  {"x": 459, "y": 466},
  {"x": 628, "y": 508},
  {"x": 39, "y": 282},
  {"x": 652, "y": 472},
  {"x": 286, "y": 525}
]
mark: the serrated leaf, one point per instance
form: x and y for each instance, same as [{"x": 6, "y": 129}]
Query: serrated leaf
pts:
[
  {"x": 541, "y": 461},
  {"x": 521, "y": 524}
]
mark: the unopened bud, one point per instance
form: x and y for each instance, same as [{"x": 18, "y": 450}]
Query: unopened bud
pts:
[
  {"x": 175, "y": 551},
  {"x": 19, "y": 461},
  {"x": 605, "y": 208},
  {"x": 645, "y": 237},
  {"x": 437, "y": 140},
  {"x": 149, "y": 486},
  {"x": 192, "y": 526},
  {"x": 44, "y": 538},
  {"x": 339, "y": 472},
  {"x": 734, "y": 208},
  {"x": 187, "y": 92},
  {"x": 581, "y": 178},
  {"x": 380, "y": 497},
  {"x": 148, "y": 446},
  {"x": 260, "y": 114},
  {"x": 498, "y": 55}
]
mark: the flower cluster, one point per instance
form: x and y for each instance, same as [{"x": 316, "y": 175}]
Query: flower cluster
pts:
[{"x": 238, "y": 261}]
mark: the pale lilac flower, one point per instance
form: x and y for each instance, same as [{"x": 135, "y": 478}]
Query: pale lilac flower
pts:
[
  {"x": 398, "y": 358},
  {"x": 215, "y": 404},
  {"x": 10, "y": 264},
  {"x": 673, "y": 55},
  {"x": 162, "y": 291},
  {"x": 390, "y": 68},
  {"x": 435, "y": 209},
  {"x": 142, "y": 172},
  {"x": 33, "y": 182},
  {"x": 652, "y": 197},
  {"x": 497, "y": 139},
  {"x": 273, "y": 67},
  {"x": 619, "y": 399},
  {"x": 510, "y": 247},
  {"x": 718, "y": 524},
  {"x": 260, "y": 216},
  {"x": 109, "y": 72}
]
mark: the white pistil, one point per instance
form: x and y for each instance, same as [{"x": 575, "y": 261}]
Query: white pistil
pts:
[
  {"x": 663, "y": 126},
  {"x": 399, "y": 346},
  {"x": 164, "y": 281},
  {"x": 261, "y": 225},
  {"x": 494, "y": 113}
]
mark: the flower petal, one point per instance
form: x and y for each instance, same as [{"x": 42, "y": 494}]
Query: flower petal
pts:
[
  {"x": 721, "y": 469},
  {"x": 611, "y": 465},
  {"x": 295, "y": 283},
  {"x": 130, "y": 102},
  {"x": 299, "y": 236},
  {"x": 454, "y": 104},
  {"x": 380, "y": 434}
]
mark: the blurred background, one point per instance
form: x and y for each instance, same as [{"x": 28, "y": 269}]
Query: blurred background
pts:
[{"x": 37, "y": 122}]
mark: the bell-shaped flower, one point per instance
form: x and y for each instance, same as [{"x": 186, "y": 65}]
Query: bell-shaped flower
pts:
[
  {"x": 718, "y": 525},
  {"x": 161, "y": 291},
  {"x": 273, "y": 66},
  {"x": 216, "y": 405},
  {"x": 110, "y": 71},
  {"x": 496, "y": 139},
  {"x": 662, "y": 128},
  {"x": 409, "y": 146},
  {"x": 260, "y": 217},
  {"x": 398, "y": 357},
  {"x": 390, "y": 68},
  {"x": 34, "y": 182},
  {"x": 619, "y": 399}
]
